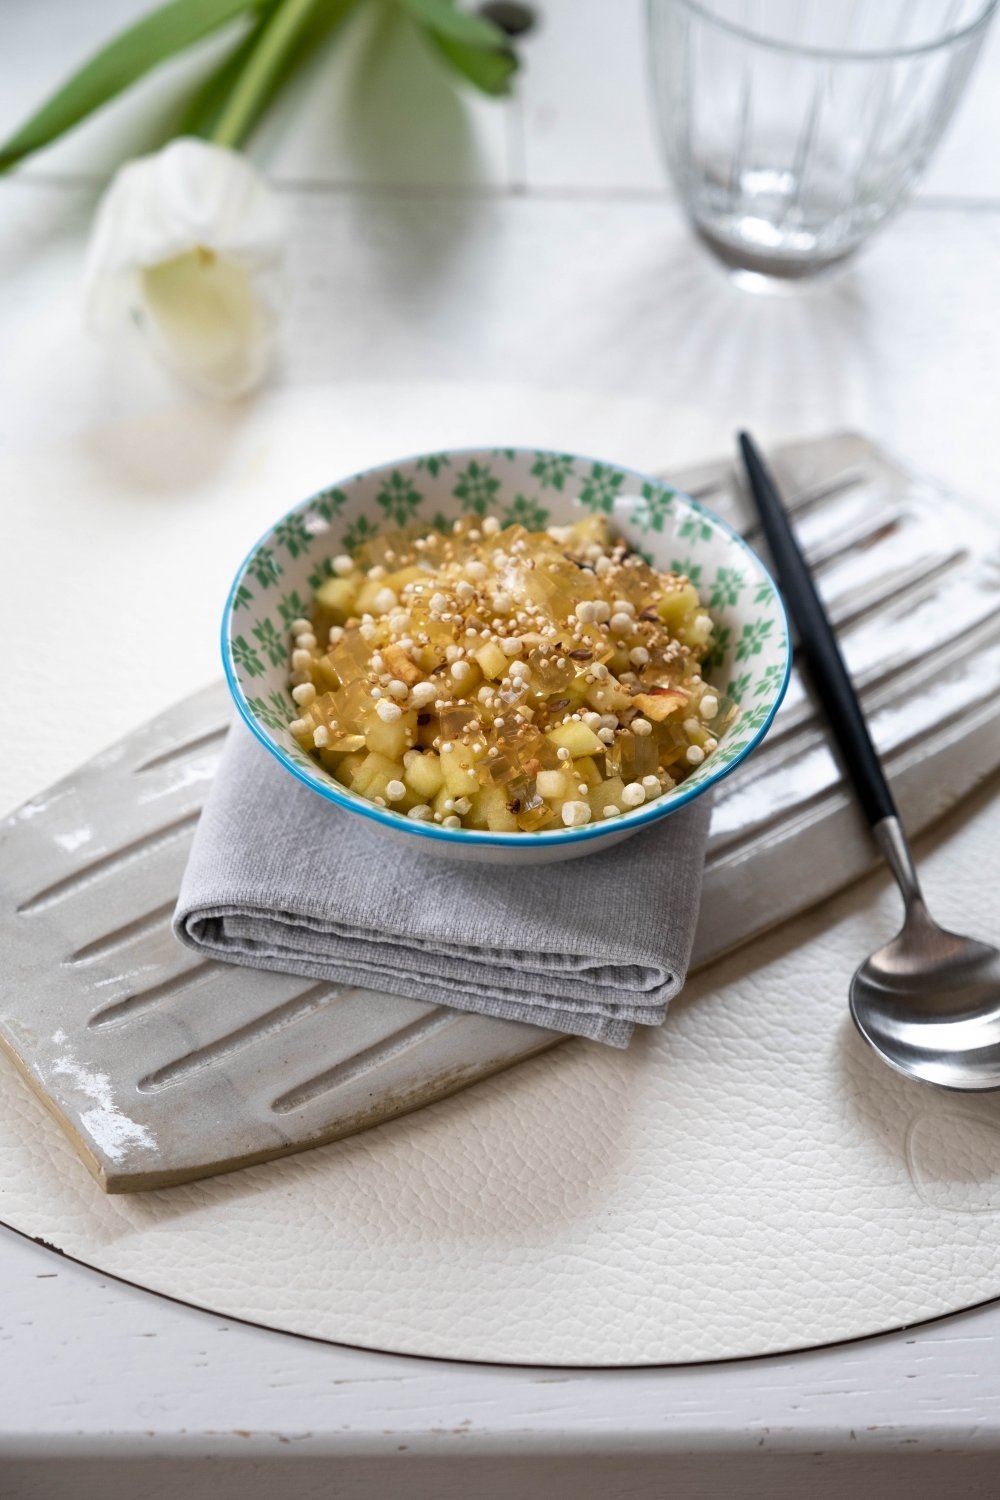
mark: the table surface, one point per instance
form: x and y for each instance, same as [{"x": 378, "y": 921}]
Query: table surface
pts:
[{"x": 528, "y": 244}]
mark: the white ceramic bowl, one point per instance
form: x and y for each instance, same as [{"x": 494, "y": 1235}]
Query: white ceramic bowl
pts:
[{"x": 274, "y": 584}]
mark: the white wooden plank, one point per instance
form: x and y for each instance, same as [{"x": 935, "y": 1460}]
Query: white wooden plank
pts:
[
  {"x": 120, "y": 1393},
  {"x": 588, "y": 121},
  {"x": 967, "y": 164}
]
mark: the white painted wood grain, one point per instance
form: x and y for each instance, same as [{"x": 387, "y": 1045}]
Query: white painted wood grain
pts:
[{"x": 118, "y": 1386}]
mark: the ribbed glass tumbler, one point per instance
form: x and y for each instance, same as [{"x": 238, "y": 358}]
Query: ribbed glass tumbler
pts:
[{"x": 795, "y": 128}]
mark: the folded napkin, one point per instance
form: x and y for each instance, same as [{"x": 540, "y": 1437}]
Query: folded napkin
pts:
[{"x": 280, "y": 879}]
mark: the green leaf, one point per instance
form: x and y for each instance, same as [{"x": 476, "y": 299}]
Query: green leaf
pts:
[
  {"x": 275, "y": 44},
  {"x": 444, "y": 17},
  {"x": 205, "y": 105},
  {"x": 130, "y": 55},
  {"x": 203, "y": 112},
  {"x": 475, "y": 48},
  {"x": 489, "y": 71}
]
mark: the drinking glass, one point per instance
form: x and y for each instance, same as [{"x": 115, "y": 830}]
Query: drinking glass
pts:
[{"x": 796, "y": 128}]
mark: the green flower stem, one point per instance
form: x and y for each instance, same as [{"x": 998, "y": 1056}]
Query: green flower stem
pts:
[{"x": 240, "y": 113}]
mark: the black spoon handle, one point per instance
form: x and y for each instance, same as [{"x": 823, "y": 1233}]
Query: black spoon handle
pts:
[{"x": 818, "y": 643}]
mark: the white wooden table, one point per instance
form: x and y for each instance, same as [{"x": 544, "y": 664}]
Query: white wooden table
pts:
[{"x": 530, "y": 244}]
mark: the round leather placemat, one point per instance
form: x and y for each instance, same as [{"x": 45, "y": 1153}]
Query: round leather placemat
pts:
[{"x": 747, "y": 1180}]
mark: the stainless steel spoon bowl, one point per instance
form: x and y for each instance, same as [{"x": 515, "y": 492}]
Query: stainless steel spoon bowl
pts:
[{"x": 929, "y": 1001}]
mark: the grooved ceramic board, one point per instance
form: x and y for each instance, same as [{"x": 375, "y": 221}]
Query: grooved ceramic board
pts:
[{"x": 164, "y": 1067}]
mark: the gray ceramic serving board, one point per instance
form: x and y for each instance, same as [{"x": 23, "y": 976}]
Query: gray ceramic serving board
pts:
[{"x": 164, "y": 1068}]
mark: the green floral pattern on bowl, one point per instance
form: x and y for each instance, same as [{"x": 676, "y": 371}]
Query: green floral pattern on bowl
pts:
[{"x": 749, "y": 660}]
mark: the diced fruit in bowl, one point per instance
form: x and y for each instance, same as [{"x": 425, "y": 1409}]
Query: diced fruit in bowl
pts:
[{"x": 497, "y": 678}]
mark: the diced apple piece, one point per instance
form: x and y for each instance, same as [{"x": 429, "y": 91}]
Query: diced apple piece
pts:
[
  {"x": 585, "y": 770},
  {"x": 697, "y": 632},
  {"x": 554, "y": 786},
  {"x": 608, "y": 697},
  {"x": 476, "y": 816},
  {"x": 659, "y": 706},
  {"x": 490, "y": 808},
  {"x": 442, "y": 802},
  {"x": 348, "y": 767},
  {"x": 423, "y": 774},
  {"x": 674, "y": 606},
  {"x": 458, "y": 765},
  {"x": 332, "y": 759},
  {"x": 367, "y": 594},
  {"x": 392, "y": 739},
  {"x": 374, "y": 774},
  {"x": 576, "y": 692},
  {"x": 335, "y": 598},
  {"x": 430, "y": 657},
  {"x": 575, "y": 737},
  {"x": 386, "y": 739},
  {"x": 592, "y": 528},
  {"x": 492, "y": 661},
  {"x": 397, "y": 581}
]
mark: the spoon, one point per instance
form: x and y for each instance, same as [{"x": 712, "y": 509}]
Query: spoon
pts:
[{"x": 929, "y": 1001}]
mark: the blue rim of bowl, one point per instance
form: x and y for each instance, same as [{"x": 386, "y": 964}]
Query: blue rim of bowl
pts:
[{"x": 639, "y": 818}]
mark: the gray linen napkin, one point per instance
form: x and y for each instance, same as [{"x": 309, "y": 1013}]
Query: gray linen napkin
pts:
[{"x": 279, "y": 879}]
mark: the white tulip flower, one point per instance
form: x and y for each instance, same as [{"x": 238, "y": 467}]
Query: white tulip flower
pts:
[{"x": 188, "y": 245}]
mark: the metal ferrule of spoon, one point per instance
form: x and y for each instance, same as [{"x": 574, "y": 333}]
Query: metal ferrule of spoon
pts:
[{"x": 929, "y": 1001}]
